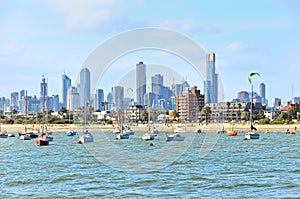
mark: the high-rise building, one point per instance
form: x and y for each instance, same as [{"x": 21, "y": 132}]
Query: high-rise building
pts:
[
  {"x": 109, "y": 99},
  {"x": 84, "y": 87},
  {"x": 14, "y": 98},
  {"x": 99, "y": 99},
  {"x": 276, "y": 102},
  {"x": 44, "y": 94},
  {"x": 211, "y": 82},
  {"x": 118, "y": 96},
  {"x": 243, "y": 96},
  {"x": 66, "y": 84},
  {"x": 157, "y": 82},
  {"x": 140, "y": 82},
  {"x": 73, "y": 101},
  {"x": 262, "y": 93},
  {"x": 189, "y": 104}
]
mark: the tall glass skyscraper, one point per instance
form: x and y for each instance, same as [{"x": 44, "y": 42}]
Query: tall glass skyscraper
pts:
[
  {"x": 211, "y": 82},
  {"x": 100, "y": 98},
  {"x": 118, "y": 96},
  {"x": 140, "y": 82},
  {"x": 84, "y": 87},
  {"x": 262, "y": 93},
  {"x": 157, "y": 82},
  {"x": 44, "y": 94},
  {"x": 66, "y": 84}
]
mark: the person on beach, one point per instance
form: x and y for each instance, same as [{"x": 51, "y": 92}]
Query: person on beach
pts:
[{"x": 287, "y": 131}]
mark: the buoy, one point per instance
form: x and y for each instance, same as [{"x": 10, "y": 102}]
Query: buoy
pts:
[
  {"x": 245, "y": 138},
  {"x": 150, "y": 144}
]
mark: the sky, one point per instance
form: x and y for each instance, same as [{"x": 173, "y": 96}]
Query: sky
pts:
[{"x": 53, "y": 37}]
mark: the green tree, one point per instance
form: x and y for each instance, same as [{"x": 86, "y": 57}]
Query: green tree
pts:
[
  {"x": 292, "y": 113},
  {"x": 144, "y": 115},
  {"x": 103, "y": 104},
  {"x": 245, "y": 115},
  {"x": 206, "y": 110},
  {"x": 228, "y": 107}
]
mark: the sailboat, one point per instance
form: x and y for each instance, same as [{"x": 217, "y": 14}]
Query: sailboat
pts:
[
  {"x": 3, "y": 134},
  {"x": 252, "y": 134},
  {"x": 176, "y": 135},
  {"x": 149, "y": 134},
  {"x": 70, "y": 132},
  {"x": 24, "y": 135},
  {"x": 86, "y": 135},
  {"x": 44, "y": 139},
  {"x": 231, "y": 132}
]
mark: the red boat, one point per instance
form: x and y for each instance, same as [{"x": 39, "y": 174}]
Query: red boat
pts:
[{"x": 42, "y": 140}]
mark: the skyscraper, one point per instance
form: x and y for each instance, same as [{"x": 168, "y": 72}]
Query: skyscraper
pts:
[
  {"x": 73, "y": 101},
  {"x": 66, "y": 84},
  {"x": 44, "y": 94},
  {"x": 211, "y": 82},
  {"x": 99, "y": 99},
  {"x": 262, "y": 93},
  {"x": 140, "y": 82},
  {"x": 157, "y": 81},
  {"x": 118, "y": 96},
  {"x": 84, "y": 87}
]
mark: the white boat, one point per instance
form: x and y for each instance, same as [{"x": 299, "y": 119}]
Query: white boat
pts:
[
  {"x": 252, "y": 134},
  {"x": 24, "y": 137},
  {"x": 129, "y": 131},
  {"x": 122, "y": 135},
  {"x": 86, "y": 137},
  {"x": 116, "y": 130},
  {"x": 148, "y": 136},
  {"x": 11, "y": 135},
  {"x": 175, "y": 137},
  {"x": 3, "y": 134},
  {"x": 180, "y": 129}
]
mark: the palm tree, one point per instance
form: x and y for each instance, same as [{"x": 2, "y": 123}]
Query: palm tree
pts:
[
  {"x": 104, "y": 104},
  {"x": 239, "y": 111},
  {"x": 206, "y": 111},
  {"x": 228, "y": 106}
]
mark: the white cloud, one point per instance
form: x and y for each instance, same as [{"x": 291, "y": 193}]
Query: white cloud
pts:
[
  {"x": 237, "y": 46},
  {"x": 82, "y": 14}
]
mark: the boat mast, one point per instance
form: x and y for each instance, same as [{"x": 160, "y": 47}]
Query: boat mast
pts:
[
  {"x": 251, "y": 114},
  {"x": 26, "y": 109}
]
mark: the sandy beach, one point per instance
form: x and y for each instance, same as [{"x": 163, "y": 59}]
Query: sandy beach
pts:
[{"x": 143, "y": 127}]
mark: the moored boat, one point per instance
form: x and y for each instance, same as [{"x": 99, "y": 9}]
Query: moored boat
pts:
[
  {"x": 86, "y": 137},
  {"x": 175, "y": 137},
  {"x": 42, "y": 140},
  {"x": 231, "y": 133}
]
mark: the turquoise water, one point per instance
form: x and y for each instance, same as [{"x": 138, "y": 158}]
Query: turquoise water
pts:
[{"x": 234, "y": 168}]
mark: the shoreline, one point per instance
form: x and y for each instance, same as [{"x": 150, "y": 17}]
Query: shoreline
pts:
[{"x": 143, "y": 127}]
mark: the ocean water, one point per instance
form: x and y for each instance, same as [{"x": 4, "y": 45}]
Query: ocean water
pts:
[{"x": 225, "y": 167}]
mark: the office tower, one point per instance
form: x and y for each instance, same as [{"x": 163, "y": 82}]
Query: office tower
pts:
[
  {"x": 243, "y": 96},
  {"x": 140, "y": 82},
  {"x": 84, "y": 87},
  {"x": 99, "y": 99},
  {"x": 109, "y": 99},
  {"x": 73, "y": 101},
  {"x": 44, "y": 94},
  {"x": 262, "y": 93},
  {"x": 66, "y": 84},
  {"x": 189, "y": 104},
  {"x": 211, "y": 82},
  {"x": 118, "y": 97},
  {"x": 14, "y": 98},
  {"x": 157, "y": 81},
  {"x": 276, "y": 102}
]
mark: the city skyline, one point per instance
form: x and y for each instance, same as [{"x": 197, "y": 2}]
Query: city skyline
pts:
[{"x": 52, "y": 37}]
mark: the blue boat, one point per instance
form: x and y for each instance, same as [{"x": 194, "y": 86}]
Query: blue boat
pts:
[{"x": 71, "y": 133}]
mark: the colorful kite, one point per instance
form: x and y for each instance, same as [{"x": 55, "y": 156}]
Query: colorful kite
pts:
[{"x": 251, "y": 75}]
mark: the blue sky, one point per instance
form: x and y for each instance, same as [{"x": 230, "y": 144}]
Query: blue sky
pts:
[{"x": 50, "y": 37}]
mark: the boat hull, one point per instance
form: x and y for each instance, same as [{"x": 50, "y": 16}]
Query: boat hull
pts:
[
  {"x": 147, "y": 137},
  {"x": 123, "y": 136},
  {"x": 251, "y": 136},
  {"x": 174, "y": 137},
  {"x": 42, "y": 142},
  {"x": 231, "y": 133}
]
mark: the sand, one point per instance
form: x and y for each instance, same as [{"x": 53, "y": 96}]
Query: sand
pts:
[{"x": 143, "y": 127}]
